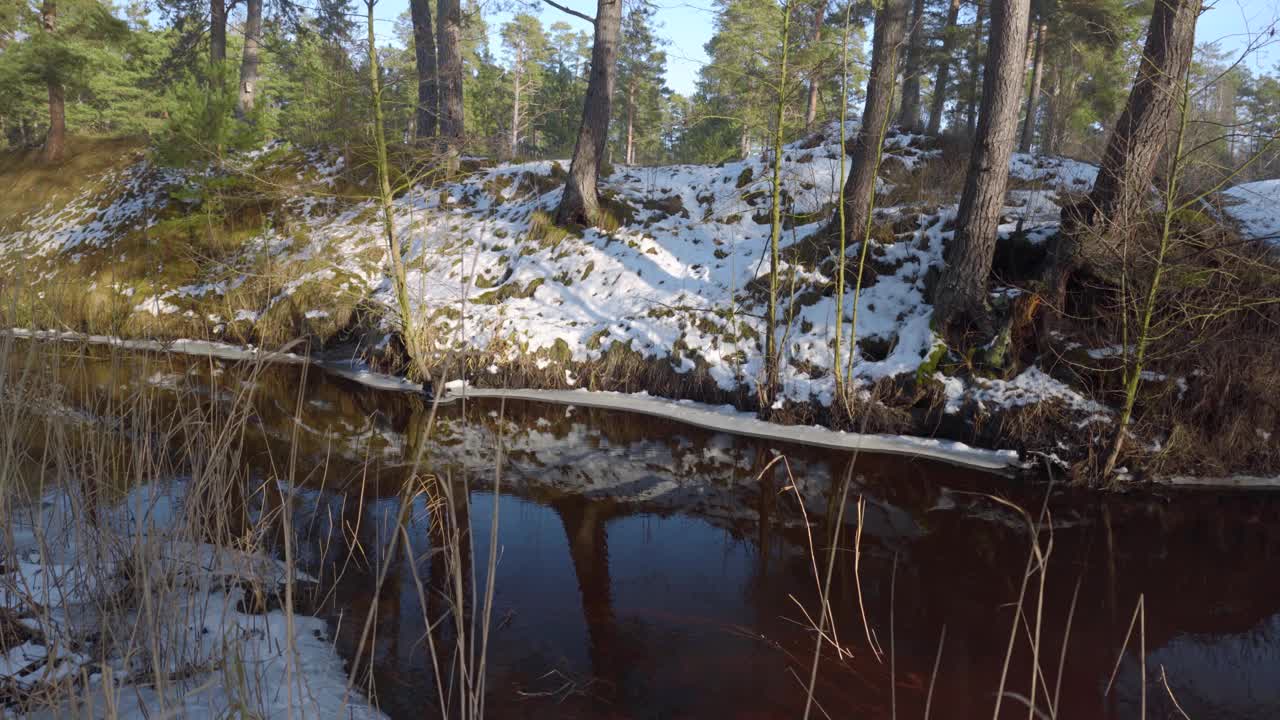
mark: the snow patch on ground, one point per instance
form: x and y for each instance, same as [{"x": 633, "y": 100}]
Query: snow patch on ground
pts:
[
  {"x": 63, "y": 580},
  {"x": 1256, "y": 207},
  {"x": 1059, "y": 173}
]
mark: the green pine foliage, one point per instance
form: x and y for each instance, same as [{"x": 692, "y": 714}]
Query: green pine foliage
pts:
[
  {"x": 732, "y": 112},
  {"x": 640, "y": 89},
  {"x": 142, "y": 71},
  {"x": 92, "y": 53}
]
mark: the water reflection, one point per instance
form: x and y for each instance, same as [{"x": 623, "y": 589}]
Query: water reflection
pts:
[{"x": 648, "y": 569}]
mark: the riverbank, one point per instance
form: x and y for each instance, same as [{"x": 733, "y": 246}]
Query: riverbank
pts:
[
  {"x": 666, "y": 299},
  {"x": 723, "y": 418}
]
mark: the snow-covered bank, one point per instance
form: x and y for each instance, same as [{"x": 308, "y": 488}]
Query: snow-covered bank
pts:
[
  {"x": 730, "y": 420},
  {"x": 677, "y": 282},
  {"x": 668, "y": 297},
  {"x": 1239, "y": 482},
  {"x": 1256, "y": 207},
  {"x": 181, "y": 642},
  {"x": 719, "y": 418}
]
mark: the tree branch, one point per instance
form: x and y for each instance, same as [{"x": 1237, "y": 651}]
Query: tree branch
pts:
[{"x": 574, "y": 13}]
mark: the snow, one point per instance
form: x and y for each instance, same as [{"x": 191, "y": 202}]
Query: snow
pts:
[
  {"x": 1058, "y": 173},
  {"x": 675, "y": 278},
  {"x": 221, "y": 662},
  {"x": 156, "y": 305},
  {"x": 678, "y": 283},
  {"x": 1256, "y": 207},
  {"x": 1032, "y": 386},
  {"x": 105, "y": 207},
  {"x": 726, "y": 418}
]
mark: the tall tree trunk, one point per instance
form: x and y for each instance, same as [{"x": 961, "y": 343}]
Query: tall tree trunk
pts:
[
  {"x": 811, "y": 109},
  {"x": 580, "y": 204},
  {"x": 961, "y": 297},
  {"x": 886, "y": 45},
  {"x": 909, "y": 112},
  {"x": 1050, "y": 144},
  {"x": 1093, "y": 230},
  {"x": 943, "y": 76},
  {"x": 217, "y": 32},
  {"x": 249, "y": 60},
  {"x": 424, "y": 55},
  {"x": 1033, "y": 97},
  {"x": 772, "y": 356},
  {"x": 515, "y": 103},
  {"x": 631, "y": 123},
  {"x": 407, "y": 328},
  {"x": 55, "y": 143},
  {"x": 449, "y": 49},
  {"x": 975, "y": 71},
  {"x": 744, "y": 142}
]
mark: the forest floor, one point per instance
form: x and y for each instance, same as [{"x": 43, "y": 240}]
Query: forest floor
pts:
[{"x": 667, "y": 299}]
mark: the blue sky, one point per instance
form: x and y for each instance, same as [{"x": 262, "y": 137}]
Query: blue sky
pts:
[{"x": 687, "y": 25}]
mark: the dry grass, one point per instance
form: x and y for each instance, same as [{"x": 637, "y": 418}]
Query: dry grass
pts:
[
  {"x": 1209, "y": 402},
  {"x": 114, "y": 488},
  {"x": 200, "y": 238},
  {"x": 30, "y": 183}
]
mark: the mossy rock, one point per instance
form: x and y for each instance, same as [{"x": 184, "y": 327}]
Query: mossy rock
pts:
[
  {"x": 485, "y": 283},
  {"x": 931, "y": 363},
  {"x": 667, "y": 206},
  {"x": 510, "y": 291}
]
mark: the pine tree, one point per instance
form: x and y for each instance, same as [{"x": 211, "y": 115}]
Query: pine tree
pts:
[
  {"x": 1093, "y": 230},
  {"x": 961, "y": 297},
  {"x": 641, "y": 66},
  {"x": 975, "y": 69},
  {"x": 1033, "y": 95},
  {"x": 942, "y": 79},
  {"x": 449, "y": 70},
  {"x": 886, "y": 52},
  {"x": 564, "y": 85},
  {"x": 64, "y": 47},
  {"x": 424, "y": 52},
  {"x": 1085, "y": 54},
  {"x": 909, "y": 110},
  {"x": 219, "y": 14},
  {"x": 526, "y": 46},
  {"x": 815, "y": 73},
  {"x": 580, "y": 204},
  {"x": 249, "y": 64}
]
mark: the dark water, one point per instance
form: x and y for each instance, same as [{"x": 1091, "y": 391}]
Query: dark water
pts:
[{"x": 652, "y": 570}]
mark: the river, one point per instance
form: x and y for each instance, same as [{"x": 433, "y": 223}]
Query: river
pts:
[{"x": 649, "y": 569}]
